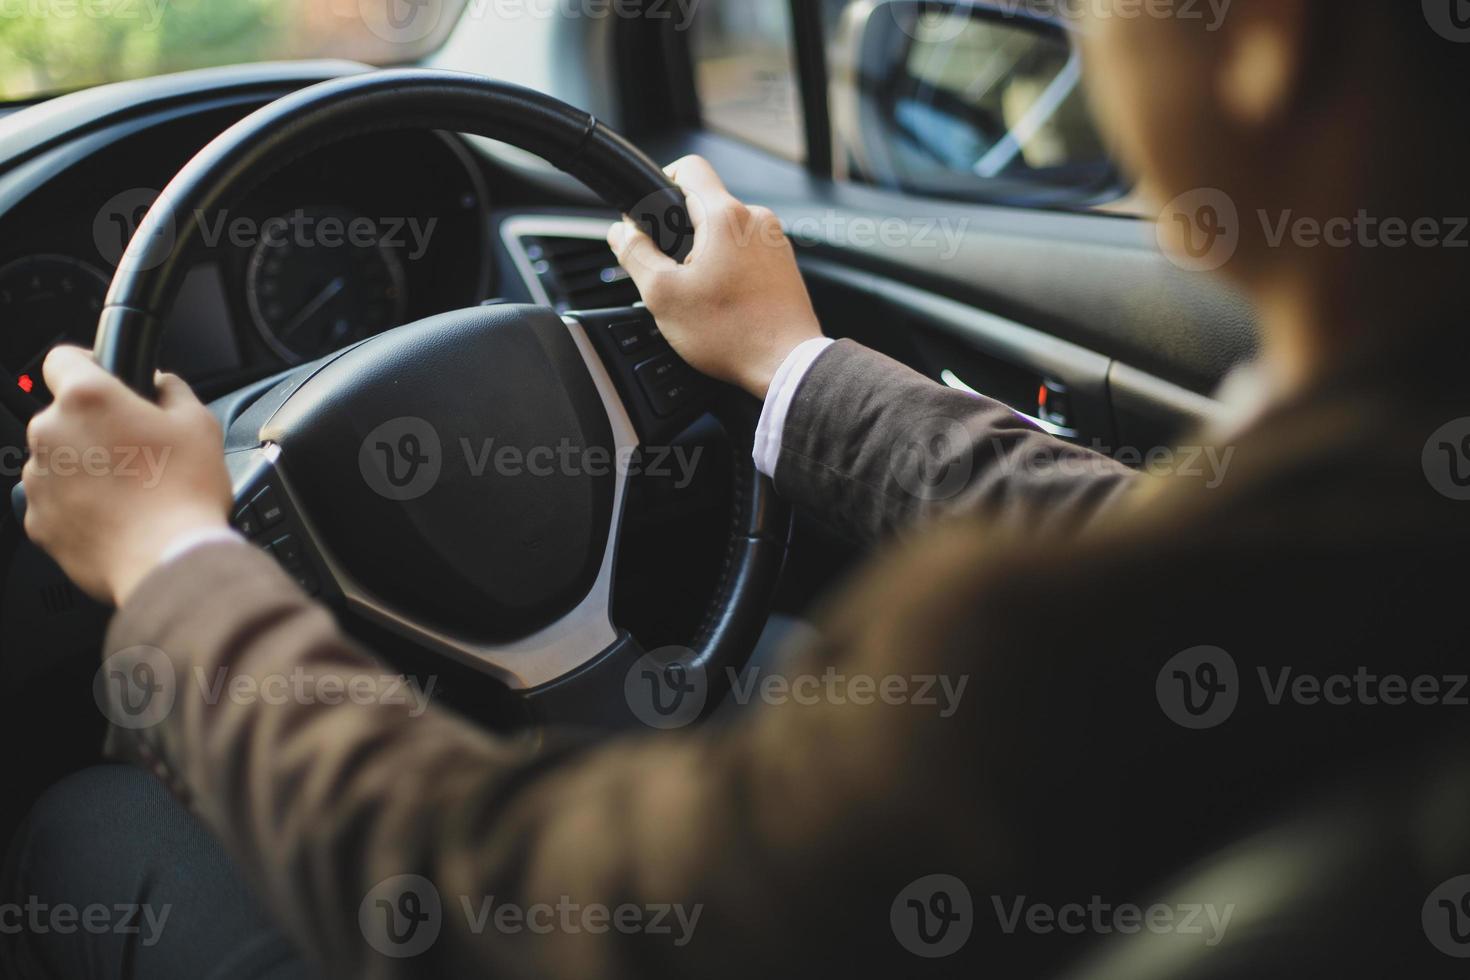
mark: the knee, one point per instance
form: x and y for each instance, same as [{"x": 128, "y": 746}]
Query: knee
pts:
[{"x": 87, "y": 829}]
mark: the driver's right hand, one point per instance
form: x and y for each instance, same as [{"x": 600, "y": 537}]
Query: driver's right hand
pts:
[{"x": 737, "y": 306}]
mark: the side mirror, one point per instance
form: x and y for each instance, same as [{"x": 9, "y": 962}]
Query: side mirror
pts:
[{"x": 975, "y": 100}]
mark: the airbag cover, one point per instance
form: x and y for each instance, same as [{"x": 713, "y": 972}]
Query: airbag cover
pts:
[{"x": 461, "y": 466}]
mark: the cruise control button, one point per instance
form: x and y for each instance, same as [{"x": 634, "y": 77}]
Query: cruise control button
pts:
[
  {"x": 246, "y": 522},
  {"x": 632, "y": 336},
  {"x": 659, "y": 370},
  {"x": 673, "y": 396},
  {"x": 268, "y": 505},
  {"x": 657, "y": 377},
  {"x": 307, "y": 581},
  {"x": 669, "y": 383},
  {"x": 287, "y": 550}
]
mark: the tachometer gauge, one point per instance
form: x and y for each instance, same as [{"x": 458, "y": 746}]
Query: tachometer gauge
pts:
[
  {"x": 45, "y": 300},
  {"x": 315, "y": 286}
]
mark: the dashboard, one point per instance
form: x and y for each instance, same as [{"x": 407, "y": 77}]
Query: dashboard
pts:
[{"x": 355, "y": 239}]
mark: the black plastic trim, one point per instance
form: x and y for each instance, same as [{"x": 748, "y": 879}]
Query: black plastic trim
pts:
[
  {"x": 37, "y": 128},
  {"x": 810, "y": 53}
]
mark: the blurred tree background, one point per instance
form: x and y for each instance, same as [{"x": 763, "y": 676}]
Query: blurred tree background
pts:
[
  {"x": 49, "y": 46},
  {"x": 55, "y": 45}
]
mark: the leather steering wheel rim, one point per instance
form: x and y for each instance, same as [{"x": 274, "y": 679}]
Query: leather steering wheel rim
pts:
[
  {"x": 152, "y": 268},
  {"x": 148, "y": 276}
]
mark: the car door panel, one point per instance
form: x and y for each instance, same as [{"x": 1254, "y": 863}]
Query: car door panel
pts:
[{"x": 1087, "y": 299}]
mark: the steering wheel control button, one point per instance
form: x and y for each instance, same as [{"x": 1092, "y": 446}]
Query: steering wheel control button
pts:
[
  {"x": 307, "y": 581},
  {"x": 633, "y": 336},
  {"x": 662, "y": 393},
  {"x": 658, "y": 370},
  {"x": 668, "y": 382},
  {"x": 267, "y": 506},
  {"x": 673, "y": 396},
  {"x": 246, "y": 522},
  {"x": 287, "y": 550}
]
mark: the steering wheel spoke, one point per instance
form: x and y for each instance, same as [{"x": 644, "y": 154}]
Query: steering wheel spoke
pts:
[
  {"x": 270, "y": 511},
  {"x": 269, "y": 517},
  {"x": 661, "y": 393}
]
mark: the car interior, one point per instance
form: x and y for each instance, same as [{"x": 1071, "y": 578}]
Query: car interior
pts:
[{"x": 977, "y": 234}]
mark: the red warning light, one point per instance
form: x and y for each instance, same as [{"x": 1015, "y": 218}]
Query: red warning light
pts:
[{"x": 26, "y": 383}]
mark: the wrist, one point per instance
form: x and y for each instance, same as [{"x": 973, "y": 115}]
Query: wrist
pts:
[
  {"x": 756, "y": 380},
  {"x": 161, "y": 543},
  {"x": 760, "y": 372}
]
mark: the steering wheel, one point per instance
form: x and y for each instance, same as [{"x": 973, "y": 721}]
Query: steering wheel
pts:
[{"x": 372, "y": 475}]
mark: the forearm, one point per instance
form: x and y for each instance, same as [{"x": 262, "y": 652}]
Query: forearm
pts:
[
  {"x": 872, "y": 447},
  {"x": 731, "y": 837},
  {"x": 262, "y": 739}
]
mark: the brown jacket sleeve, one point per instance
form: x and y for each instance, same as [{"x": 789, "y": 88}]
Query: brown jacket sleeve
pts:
[
  {"x": 732, "y": 838},
  {"x": 873, "y": 447},
  {"x": 788, "y": 840}
]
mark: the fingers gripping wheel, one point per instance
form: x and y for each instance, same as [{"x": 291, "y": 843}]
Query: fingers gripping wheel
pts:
[{"x": 603, "y": 380}]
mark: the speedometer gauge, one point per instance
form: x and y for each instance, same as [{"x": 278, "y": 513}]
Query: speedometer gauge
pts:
[
  {"x": 314, "y": 286},
  {"x": 45, "y": 300}
]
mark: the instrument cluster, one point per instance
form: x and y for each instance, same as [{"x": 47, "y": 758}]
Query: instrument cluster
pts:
[{"x": 356, "y": 239}]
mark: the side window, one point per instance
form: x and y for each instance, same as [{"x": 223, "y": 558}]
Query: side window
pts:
[
  {"x": 968, "y": 99},
  {"x": 743, "y": 69},
  {"x": 971, "y": 100}
]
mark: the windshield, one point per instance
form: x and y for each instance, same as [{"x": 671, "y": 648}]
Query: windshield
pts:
[{"x": 50, "y": 46}]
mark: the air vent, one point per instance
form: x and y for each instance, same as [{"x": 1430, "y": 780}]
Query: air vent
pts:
[{"x": 579, "y": 273}]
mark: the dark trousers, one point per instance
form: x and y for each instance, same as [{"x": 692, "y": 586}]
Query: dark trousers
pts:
[{"x": 110, "y": 877}]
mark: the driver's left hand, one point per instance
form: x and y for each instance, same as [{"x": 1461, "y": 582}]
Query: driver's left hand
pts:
[{"x": 113, "y": 479}]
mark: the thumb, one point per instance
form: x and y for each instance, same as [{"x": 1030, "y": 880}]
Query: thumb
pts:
[
  {"x": 638, "y": 253},
  {"x": 173, "y": 392}
]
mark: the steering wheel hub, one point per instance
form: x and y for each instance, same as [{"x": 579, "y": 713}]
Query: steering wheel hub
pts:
[{"x": 446, "y": 464}]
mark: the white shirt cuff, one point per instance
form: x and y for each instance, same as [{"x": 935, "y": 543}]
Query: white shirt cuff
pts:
[
  {"x": 788, "y": 378},
  {"x": 192, "y": 540}
]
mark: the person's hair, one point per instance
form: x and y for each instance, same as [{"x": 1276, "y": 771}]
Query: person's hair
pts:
[
  {"x": 1428, "y": 71},
  {"x": 1438, "y": 61},
  {"x": 1391, "y": 50}
]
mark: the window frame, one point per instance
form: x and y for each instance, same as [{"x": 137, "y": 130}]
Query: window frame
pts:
[
  {"x": 809, "y": 52},
  {"x": 675, "y": 69},
  {"x": 810, "y": 70}
]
